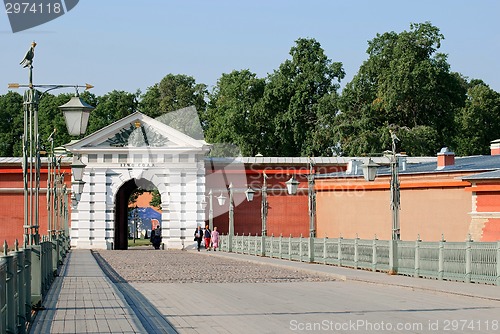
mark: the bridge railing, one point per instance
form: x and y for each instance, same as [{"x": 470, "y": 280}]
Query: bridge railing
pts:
[
  {"x": 469, "y": 261},
  {"x": 26, "y": 275}
]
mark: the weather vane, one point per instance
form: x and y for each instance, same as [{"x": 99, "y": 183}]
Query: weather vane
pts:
[{"x": 28, "y": 61}]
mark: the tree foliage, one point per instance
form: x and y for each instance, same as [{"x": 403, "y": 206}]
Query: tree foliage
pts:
[
  {"x": 300, "y": 101},
  {"x": 232, "y": 115},
  {"x": 297, "y": 110},
  {"x": 110, "y": 108},
  {"x": 477, "y": 122},
  {"x": 173, "y": 92},
  {"x": 11, "y": 120},
  {"x": 404, "y": 83}
]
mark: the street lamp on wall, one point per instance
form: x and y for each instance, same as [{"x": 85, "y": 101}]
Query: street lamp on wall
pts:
[
  {"x": 292, "y": 185},
  {"x": 370, "y": 170},
  {"x": 249, "y": 194},
  {"x": 221, "y": 199},
  {"x": 77, "y": 168}
]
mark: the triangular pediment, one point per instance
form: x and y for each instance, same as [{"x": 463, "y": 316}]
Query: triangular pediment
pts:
[{"x": 137, "y": 131}]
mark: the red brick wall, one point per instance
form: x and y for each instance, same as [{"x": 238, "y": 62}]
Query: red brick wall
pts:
[
  {"x": 491, "y": 230},
  {"x": 488, "y": 201},
  {"x": 12, "y": 206},
  {"x": 287, "y": 214}
]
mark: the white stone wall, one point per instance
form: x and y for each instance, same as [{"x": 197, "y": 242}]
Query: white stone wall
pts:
[{"x": 181, "y": 183}]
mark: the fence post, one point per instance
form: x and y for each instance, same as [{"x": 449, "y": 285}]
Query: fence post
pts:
[
  {"x": 255, "y": 245},
  {"x": 27, "y": 280},
  {"x": 280, "y": 246},
  {"x": 311, "y": 248},
  {"x": 417, "y": 257},
  {"x": 356, "y": 241},
  {"x": 324, "y": 248},
  {"x": 441, "y": 258},
  {"x": 271, "y": 249},
  {"x": 262, "y": 245},
  {"x": 374, "y": 254},
  {"x": 36, "y": 274},
  {"x": 339, "y": 251},
  {"x": 54, "y": 243},
  {"x": 498, "y": 263},
  {"x": 300, "y": 248},
  {"x": 468, "y": 259},
  {"x": 21, "y": 289},
  {"x": 3, "y": 274},
  {"x": 10, "y": 290},
  {"x": 290, "y": 247}
]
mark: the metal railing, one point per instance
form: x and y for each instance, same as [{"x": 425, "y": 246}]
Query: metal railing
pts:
[
  {"x": 25, "y": 278},
  {"x": 469, "y": 261}
]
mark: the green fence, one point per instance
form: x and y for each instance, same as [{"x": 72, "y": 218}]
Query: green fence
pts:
[
  {"x": 25, "y": 277},
  {"x": 469, "y": 261}
]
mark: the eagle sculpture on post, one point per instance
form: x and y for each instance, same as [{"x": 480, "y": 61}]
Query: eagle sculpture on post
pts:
[{"x": 28, "y": 58}]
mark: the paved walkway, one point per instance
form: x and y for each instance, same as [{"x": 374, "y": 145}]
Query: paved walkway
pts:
[
  {"x": 84, "y": 300},
  {"x": 347, "y": 274}
]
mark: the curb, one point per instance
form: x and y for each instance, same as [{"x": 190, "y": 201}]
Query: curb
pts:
[{"x": 353, "y": 278}]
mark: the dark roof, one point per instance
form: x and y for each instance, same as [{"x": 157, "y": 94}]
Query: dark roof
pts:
[
  {"x": 477, "y": 163},
  {"x": 493, "y": 175}
]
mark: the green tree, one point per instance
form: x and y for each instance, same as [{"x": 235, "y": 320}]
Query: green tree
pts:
[
  {"x": 300, "y": 101},
  {"x": 11, "y": 120},
  {"x": 172, "y": 93},
  {"x": 404, "y": 83},
  {"x": 110, "y": 108},
  {"x": 477, "y": 122},
  {"x": 232, "y": 116},
  {"x": 156, "y": 199}
]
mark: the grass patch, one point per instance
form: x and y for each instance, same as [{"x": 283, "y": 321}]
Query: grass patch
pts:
[{"x": 139, "y": 242}]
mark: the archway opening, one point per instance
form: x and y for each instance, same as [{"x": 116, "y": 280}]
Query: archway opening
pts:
[{"x": 131, "y": 221}]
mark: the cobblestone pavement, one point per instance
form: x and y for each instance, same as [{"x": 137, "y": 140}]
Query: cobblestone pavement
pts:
[{"x": 176, "y": 266}]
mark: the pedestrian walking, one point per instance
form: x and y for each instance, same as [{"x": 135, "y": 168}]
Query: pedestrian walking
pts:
[
  {"x": 156, "y": 237},
  {"x": 198, "y": 236},
  {"x": 215, "y": 238},
  {"x": 207, "y": 236}
]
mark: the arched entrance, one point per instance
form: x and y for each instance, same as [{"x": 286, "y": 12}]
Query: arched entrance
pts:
[
  {"x": 121, "y": 209},
  {"x": 121, "y": 214}
]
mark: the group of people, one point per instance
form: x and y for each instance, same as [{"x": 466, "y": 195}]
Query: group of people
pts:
[{"x": 211, "y": 238}]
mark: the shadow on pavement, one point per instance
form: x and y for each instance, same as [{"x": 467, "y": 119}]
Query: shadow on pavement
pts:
[{"x": 152, "y": 320}]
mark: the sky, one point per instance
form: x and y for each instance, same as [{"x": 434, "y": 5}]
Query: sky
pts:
[{"x": 129, "y": 45}]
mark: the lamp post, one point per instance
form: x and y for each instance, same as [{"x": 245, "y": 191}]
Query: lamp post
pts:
[
  {"x": 231, "y": 217},
  {"x": 51, "y": 176},
  {"x": 221, "y": 199},
  {"x": 263, "y": 213},
  {"x": 312, "y": 203},
  {"x": 31, "y": 144},
  {"x": 292, "y": 188},
  {"x": 136, "y": 218},
  {"x": 210, "y": 210},
  {"x": 249, "y": 193},
  {"x": 369, "y": 173}
]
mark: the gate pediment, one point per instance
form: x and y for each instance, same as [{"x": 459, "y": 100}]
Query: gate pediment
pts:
[{"x": 137, "y": 131}]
